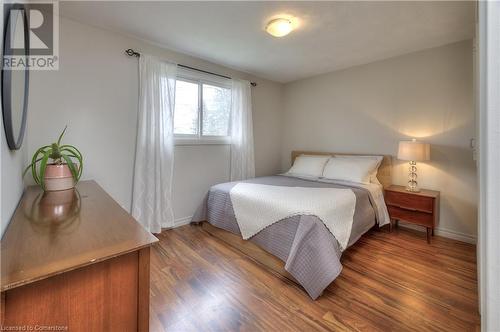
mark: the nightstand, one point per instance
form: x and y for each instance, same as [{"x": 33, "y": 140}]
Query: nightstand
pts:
[{"x": 418, "y": 208}]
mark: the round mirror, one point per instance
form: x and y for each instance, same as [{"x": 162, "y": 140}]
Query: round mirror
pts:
[{"x": 15, "y": 74}]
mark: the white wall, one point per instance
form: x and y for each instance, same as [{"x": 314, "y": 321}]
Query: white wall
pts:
[
  {"x": 196, "y": 169},
  {"x": 368, "y": 109},
  {"x": 12, "y": 187},
  {"x": 95, "y": 92}
]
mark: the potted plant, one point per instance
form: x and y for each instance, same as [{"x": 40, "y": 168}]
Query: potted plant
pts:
[{"x": 63, "y": 172}]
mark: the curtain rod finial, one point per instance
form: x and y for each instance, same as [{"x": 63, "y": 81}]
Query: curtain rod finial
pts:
[{"x": 131, "y": 52}]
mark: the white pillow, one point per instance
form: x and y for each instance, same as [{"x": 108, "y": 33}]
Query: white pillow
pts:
[
  {"x": 311, "y": 166},
  {"x": 349, "y": 168},
  {"x": 373, "y": 176}
]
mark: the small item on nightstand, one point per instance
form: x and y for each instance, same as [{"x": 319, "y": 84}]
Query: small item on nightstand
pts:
[
  {"x": 418, "y": 208},
  {"x": 413, "y": 151}
]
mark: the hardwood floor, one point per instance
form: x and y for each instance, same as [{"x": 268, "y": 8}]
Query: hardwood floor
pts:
[{"x": 390, "y": 282}]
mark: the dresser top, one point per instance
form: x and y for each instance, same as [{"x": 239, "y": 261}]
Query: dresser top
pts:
[
  {"x": 422, "y": 192},
  {"x": 60, "y": 231}
]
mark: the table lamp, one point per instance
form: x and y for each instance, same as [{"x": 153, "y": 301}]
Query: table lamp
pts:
[{"x": 413, "y": 151}]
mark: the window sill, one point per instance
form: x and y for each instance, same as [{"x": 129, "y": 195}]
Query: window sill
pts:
[{"x": 179, "y": 141}]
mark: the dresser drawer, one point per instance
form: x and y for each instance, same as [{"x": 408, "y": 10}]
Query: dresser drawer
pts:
[
  {"x": 409, "y": 201},
  {"x": 415, "y": 217}
]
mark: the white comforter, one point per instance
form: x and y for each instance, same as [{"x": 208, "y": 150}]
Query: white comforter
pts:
[{"x": 257, "y": 206}]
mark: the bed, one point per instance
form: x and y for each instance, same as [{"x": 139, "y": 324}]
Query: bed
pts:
[{"x": 298, "y": 247}]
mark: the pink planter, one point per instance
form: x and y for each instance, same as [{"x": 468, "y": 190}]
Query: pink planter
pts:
[{"x": 58, "y": 177}]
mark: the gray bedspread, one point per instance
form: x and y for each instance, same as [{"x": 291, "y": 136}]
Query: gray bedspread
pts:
[{"x": 310, "y": 252}]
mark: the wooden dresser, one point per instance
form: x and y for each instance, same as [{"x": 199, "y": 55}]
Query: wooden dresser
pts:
[
  {"x": 418, "y": 208},
  {"x": 75, "y": 260}
]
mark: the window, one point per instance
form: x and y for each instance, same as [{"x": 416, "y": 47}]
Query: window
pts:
[
  {"x": 186, "y": 108},
  {"x": 202, "y": 109},
  {"x": 216, "y": 110}
]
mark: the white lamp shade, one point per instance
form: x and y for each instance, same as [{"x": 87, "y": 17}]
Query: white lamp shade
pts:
[{"x": 414, "y": 151}]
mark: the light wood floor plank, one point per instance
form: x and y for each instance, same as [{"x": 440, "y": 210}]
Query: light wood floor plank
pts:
[{"x": 390, "y": 282}]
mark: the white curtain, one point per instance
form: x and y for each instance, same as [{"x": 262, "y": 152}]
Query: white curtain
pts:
[
  {"x": 242, "y": 152},
  {"x": 154, "y": 156}
]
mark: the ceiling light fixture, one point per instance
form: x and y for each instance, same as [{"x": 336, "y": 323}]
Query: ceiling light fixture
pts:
[{"x": 279, "y": 27}]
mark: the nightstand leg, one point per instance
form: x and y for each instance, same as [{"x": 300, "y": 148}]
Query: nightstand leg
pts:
[
  {"x": 396, "y": 223},
  {"x": 433, "y": 232},
  {"x": 428, "y": 235}
]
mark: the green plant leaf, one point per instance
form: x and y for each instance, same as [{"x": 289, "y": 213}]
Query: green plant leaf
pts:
[
  {"x": 43, "y": 167},
  {"x": 71, "y": 166},
  {"x": 40, "y": 151},
  {"x": 80, "y": 170},
  {"x": 61, "y": 136},
  {"x": 70, "y": 154},
  {"x": 26, "y": 170},
  {"x": 55, "y": 154},
  {"x": 29, "y": 166},
  {"x": 66, "y": 146},
  {"x": 77, "y": 154}
]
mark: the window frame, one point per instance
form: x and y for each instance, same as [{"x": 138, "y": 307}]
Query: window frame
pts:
[{"x": 200, "y": 79}]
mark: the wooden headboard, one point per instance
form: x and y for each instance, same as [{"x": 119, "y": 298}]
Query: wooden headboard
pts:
[{"x": 384, "y": 174}]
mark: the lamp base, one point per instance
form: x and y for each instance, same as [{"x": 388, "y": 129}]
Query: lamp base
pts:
[
  {"x": 412, "y": 178},
  {"x": 413, "y": 189}
]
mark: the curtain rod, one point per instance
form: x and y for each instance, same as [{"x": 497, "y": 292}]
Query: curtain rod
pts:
[{"x": 131, "y": 52}]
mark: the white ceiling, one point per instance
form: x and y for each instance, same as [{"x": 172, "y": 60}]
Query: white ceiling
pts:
[{"x": 331, "y": 36}]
